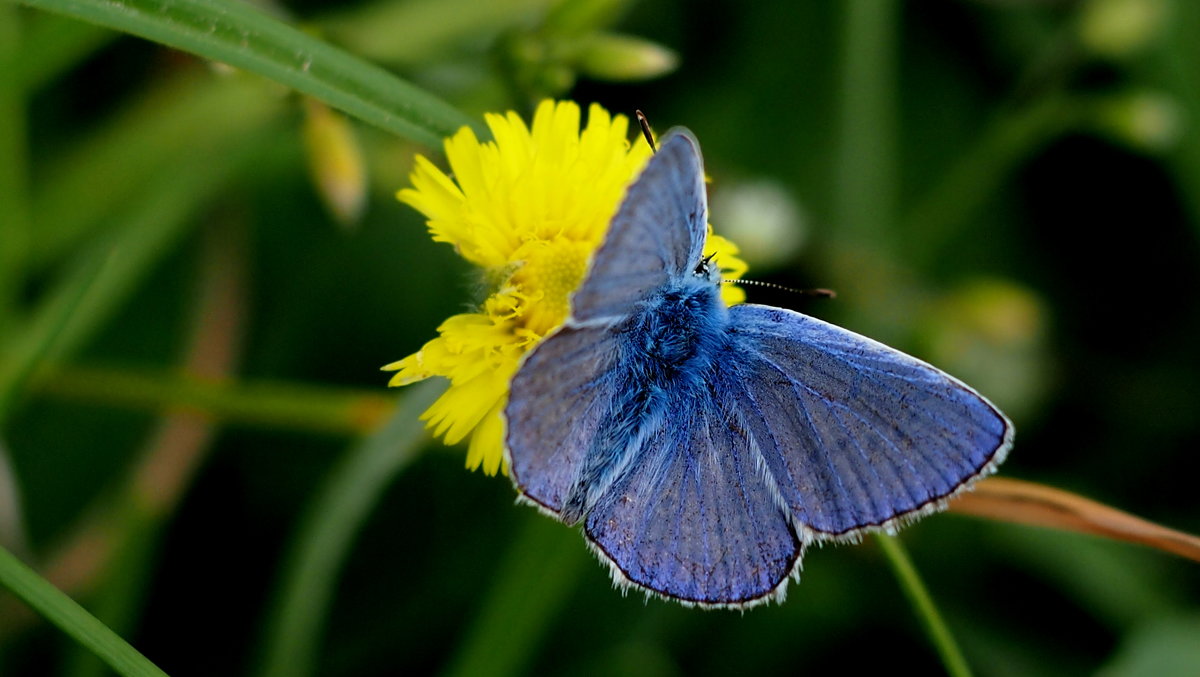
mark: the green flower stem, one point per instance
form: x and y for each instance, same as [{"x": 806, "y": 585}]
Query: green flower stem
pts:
[
  {"x": 284, "y": 405},
  {"x": 918, "y": 596},
  {"x": 236, "y": 33},
  {"x": 327, "y": 530},
  {"x": 73, "y": 619}
]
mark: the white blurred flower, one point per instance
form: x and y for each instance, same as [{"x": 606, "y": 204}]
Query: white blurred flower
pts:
[{"x": 763, "y": 218}]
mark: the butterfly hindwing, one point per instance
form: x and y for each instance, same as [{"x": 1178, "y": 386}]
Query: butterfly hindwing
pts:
[
  {"x": 693, "y": 518},
  {"x": 657, "y": 233},
  {"x": 855, "y": 434},
  {"x": 557, "y": 400}
]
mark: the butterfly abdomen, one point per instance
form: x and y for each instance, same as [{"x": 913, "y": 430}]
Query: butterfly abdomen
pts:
[{"x": 667, "y": 347}]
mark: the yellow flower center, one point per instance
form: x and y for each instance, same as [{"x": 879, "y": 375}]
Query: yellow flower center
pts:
[{"x": 554, "y": 268}]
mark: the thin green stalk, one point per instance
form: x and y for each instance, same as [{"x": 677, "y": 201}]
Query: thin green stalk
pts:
[
  {"x": 327, "y": 530},
  {"x": 45, "y": 331},
  {"x": 73, "y": 619},
  {"x": 866, "y": 193},
  {"x": 240, "y": 35},
  {"x": 914, "y": 589},
  {"x": 291, "y": 406}
]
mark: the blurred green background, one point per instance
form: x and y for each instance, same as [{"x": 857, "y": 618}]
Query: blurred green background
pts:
[{"x": 1009, "y": 189}]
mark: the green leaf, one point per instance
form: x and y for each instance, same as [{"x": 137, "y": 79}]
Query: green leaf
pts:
[
  {"x": 73, "y": 619},
  {"x": 239, "y": 35}
]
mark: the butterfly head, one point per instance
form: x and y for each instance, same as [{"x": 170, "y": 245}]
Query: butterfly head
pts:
[{"x": 708, "y": 270}]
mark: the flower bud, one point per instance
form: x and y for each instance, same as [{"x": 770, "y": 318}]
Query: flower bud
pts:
[
  {"x": 609, "y": 56},
  {"x": 335, "y": 162}
]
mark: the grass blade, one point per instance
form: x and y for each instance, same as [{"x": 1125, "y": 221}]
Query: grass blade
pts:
[
  {"x": 238, "y": 34},
  {"x": 73, "y": 619},
  {"x": 44, "y": 332}
]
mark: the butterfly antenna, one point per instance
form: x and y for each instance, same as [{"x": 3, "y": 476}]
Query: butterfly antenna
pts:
[
  {"x": 646, "y": 132},
  {"x": 817, "y": 293}
]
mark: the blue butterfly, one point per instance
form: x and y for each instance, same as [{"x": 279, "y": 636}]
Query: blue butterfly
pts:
[{"x": 702, "y": 447}]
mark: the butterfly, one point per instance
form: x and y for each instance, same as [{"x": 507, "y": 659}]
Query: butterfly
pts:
[{"x": 702, "y": 447}]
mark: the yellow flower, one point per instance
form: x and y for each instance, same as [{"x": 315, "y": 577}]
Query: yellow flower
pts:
[{"x": 529, "y": 208}]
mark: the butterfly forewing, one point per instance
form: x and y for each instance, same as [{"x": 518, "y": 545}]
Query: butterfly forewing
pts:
[
  {"x": 658, "y": 233},
  {"x": 854, "y": 433}
]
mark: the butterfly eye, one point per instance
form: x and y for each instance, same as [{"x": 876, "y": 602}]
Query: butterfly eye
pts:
[{"x": 705, "y": 268}]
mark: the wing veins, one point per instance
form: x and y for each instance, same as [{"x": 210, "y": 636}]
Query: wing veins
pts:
[
  {"x": 821, "y": 446},
  {"x": 938, "y": 470},
  {"x": 934, "y": 394}
]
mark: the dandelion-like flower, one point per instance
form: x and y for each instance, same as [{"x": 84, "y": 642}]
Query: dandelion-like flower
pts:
[{"x": 529, "y": 208}]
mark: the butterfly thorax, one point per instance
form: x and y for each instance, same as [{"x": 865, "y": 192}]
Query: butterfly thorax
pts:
[{"x": 676, "y": 327}]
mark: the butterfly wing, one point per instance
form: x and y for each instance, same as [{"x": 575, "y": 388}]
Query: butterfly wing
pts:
[
  {"x": 557, "y": 400},
  {"x": 693, "y": 517},
  {"x": 569, "y": 383},
  {"x": 856, "y": 434},
  {"x": 657, "y": 233}
]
